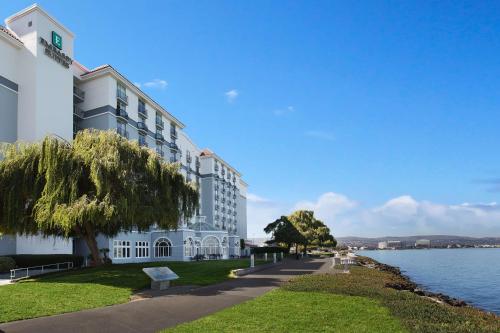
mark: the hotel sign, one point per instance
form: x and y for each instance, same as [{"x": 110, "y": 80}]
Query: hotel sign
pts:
[{"x": 54, "y": 50}]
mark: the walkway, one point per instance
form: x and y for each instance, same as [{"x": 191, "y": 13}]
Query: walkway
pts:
[{"x": 153, "y": 314}]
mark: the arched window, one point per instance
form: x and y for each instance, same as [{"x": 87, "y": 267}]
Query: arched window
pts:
[
  {"x": 211, "y": 245},
  {"x": 189, "y": 247},
  {"x": 163, "y": 248}
]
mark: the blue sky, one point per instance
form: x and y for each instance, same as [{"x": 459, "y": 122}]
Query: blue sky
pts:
[{"x": 363, "y": 104}]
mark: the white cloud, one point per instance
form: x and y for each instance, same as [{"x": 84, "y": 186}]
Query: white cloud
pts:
[
  {"x": 282, "y": 112},
  {"x": 231, "y": 95},
  {"x": 321, "y": 135},
  {"x": 154, "y": 84},
  {"x": 398, "y": 216}
]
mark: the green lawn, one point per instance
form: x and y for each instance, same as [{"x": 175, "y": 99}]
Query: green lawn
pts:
[
  {"x": 356, "y": 302},
  {"x": 289, "y": 311},
  {"x": 96, "y": 287}
]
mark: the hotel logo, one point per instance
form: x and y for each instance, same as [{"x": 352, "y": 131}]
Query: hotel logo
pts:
[{"x": 56, "y": 40}]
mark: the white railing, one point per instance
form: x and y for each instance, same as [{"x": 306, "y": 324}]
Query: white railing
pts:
[{"x": 37, "y": 270}]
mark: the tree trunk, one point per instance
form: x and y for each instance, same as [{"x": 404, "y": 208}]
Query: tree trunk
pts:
[{"x": 89, "y": 235}]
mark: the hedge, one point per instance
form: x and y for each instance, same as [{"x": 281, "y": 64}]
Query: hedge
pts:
[
  {"x": 268, "y": 249},
  {"x": 30, "y": 260},
  {"x": 6, "y": 264}
]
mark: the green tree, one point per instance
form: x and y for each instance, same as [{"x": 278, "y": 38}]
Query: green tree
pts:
[
  {"x": 100, "y": 184},
  {"x": 314, "y": 230},
  {"x": 284, "y": 232}
]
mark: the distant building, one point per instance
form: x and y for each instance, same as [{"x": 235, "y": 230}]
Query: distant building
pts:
[
  {"x": 423, "y": 243},
  {"x": 394, "y": 244},
  {"x": 382, "y": 245}
]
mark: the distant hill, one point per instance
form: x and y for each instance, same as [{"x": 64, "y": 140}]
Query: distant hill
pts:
[{"x": 436, "y": 240}]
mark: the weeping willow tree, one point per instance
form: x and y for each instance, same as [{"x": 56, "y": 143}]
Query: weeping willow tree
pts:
[{"x": 101, "y": 183}]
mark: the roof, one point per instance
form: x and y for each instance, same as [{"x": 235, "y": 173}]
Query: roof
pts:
[
  {"x": 36, "y": 7},
  {"x": 108, "y": 69},
  {"x": 203, "y": 226},
  {"x": 208, "y": 153},
  {"x": 10, "y": 37}
]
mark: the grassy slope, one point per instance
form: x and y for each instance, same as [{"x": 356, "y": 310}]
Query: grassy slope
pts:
[
  {"x": 417, "y": 314},
  {"x": 289, "y": 311},
  {"x": 96, "y": 287},
  {"x": 356, "y": 302}
]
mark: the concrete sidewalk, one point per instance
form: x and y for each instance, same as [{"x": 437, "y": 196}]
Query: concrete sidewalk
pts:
[{"x": 153, "y": 314}]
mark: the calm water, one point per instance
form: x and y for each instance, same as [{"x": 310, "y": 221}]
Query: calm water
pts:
[{"x": 469, "y": 274}]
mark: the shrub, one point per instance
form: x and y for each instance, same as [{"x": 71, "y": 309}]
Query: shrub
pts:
[
  {"x": 6, "y": 264},
  {"x": 30, "y": 260}
]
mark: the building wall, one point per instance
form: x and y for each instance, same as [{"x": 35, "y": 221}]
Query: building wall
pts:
[
  {"x": 43, "y": 245},
  {"x": 46, "y": 96},
  {"x": 8, "y": 110},
  {"x": 7, "y": 245},
  {"x": 241, "y": 216}
]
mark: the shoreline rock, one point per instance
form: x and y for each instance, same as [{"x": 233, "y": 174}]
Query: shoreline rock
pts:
[{"x": 405, "y": 283}]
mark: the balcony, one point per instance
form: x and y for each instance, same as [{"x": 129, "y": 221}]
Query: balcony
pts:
[
  {"x": 122, "y": 96},
  {"x": 78, "y": 112},
  {"x": 122, "y": 113},
  {"x": 173, "y": 159},
  {"x": 123, "y": 132},
  {"x": 188, "y": 159},
  {"x": 173, "y": 146},
  {"x": 142, "y": 142},
  {"x": 142, "y": 111},
  {"x": 141, "y": 126},
  {"x": 159, "y": 123},
  {"x": 78, "y": 95},
  {"x": 159, "y": 137}
]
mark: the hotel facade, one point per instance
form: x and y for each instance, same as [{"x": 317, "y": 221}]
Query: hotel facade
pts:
[{"x": 45, "y": 91}]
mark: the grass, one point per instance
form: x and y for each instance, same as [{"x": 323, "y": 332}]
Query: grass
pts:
[
  {"x": 96, "y": 287},
  {"x": 289, "y": 311},
  {"x": 356, "y": 302},
  {"x": 417, "y": 314}
]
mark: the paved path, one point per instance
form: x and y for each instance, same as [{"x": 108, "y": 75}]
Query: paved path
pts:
[{"x": 153, "y": 314}]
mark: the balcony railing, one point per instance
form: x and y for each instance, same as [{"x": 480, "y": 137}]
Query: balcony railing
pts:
[
  {"x": 141, "y": 126},
  {"x": 142, "y": 111},
  {"x": 160, "y": 152},
  {"x": 78, "y": 95},
  {"x": 122, "y": 113},
  {"x": 122, "y": 96},
  {"x": 122, "y": 132},
  {"x": 159, "y": 137}
]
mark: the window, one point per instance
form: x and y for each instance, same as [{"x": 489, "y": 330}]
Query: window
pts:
[
  {"x": 163, "y": 248},
  {"x": 142, "y": 140},
  {"x": 121, "y": 91},
  {"x": 211, "y": 245},
  {"x": 121, "y": 249},
  {"x": 142, "y": 249},
  {"x": 188, "y": 248}
]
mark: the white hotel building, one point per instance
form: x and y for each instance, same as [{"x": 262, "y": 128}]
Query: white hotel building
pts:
[{"x": 44, "y": 90}]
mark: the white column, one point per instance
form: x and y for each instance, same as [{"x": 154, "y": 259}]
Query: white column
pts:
[
  {"x": 265, "y": 256},
  {"x": 274, "y": 257},
  {"x": 252, "y": 261}
]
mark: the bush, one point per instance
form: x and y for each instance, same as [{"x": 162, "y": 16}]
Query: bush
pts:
[
  {"x": 268, "y": 249},
  {"x": 6, "y": 264},
  {"x": 30, "y": 260}
]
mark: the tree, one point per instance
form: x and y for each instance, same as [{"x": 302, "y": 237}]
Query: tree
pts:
[
  {"x": 100, "y": 184},
  {"x": 283, "y": 231},
  {"x": 314, "y": 230}
]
